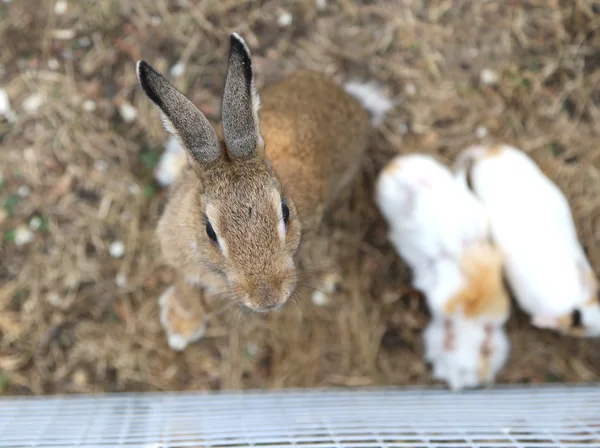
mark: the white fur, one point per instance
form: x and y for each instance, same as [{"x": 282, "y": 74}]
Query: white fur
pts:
[
  {"x": 212, "y": 214},
  {"x": 276, "y": 199},
  {"x": 321, "y": 297},
  {"x": 372, "y": 99},
  {"x": 429, "y": 214},
  {"x": 172, "y": 161},
  {"x": 432, "y": 220},
  {"x": 193, "y": 280},
  {"x": 462, "y": 366},
  {"x": 532, "y": 224}
]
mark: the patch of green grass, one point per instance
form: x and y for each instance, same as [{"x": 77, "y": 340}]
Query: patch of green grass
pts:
[
  {"x": 5, "y": 380},
  {"x": 17, "y": 299},
  {"x": 551, "y": 377},
  {"x": 535, "y": 65},
  {"x": 44, "y": 225},
  {"x": 554, "y": 148},
  {"x": 113, "y": 316},
  {"x": 9, "y": 236},
  {"x": 150, "y": 158},
  {"x": 11, "y": 203},
  {"x": 149, "y": 191}
]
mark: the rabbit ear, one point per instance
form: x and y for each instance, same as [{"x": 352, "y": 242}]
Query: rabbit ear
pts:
[
  {"x": 180, "y": 116},
  {"x": 240, "y": 103}
]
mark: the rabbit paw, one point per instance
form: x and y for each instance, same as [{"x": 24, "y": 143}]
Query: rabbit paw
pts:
[
  {"x": 182, "y": 327},
  {"x": 328, "y": 285},
  {"x": 465, "y": 353}
]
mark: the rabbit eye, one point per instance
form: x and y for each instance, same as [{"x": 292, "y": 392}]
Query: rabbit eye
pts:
[
  {"x": 577, "y": 321},
  {"x": 211, "y": 232},
  {"x": 285, "y": 211}
]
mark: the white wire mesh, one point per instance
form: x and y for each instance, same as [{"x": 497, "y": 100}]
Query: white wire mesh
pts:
[{"x": 503, "y": 417}]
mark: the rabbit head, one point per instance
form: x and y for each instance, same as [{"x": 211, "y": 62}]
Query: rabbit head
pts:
[
  {"x": 247, "y": 229},
  {"x": 583, "y": 321}
]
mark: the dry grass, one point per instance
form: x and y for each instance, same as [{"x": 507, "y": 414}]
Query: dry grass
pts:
[{"x": 68, "y": 325}]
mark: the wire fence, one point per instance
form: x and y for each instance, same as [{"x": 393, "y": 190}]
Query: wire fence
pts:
[{"x": 363, "y": 418}]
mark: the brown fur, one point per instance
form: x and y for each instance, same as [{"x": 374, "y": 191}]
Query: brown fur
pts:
[
  {"x": 484, "y": 293},
  {"x": 494, "y": 151},
  {"x": 314, "y": 137}
]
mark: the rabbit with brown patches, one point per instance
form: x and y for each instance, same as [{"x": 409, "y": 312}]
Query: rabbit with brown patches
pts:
[
  {"x": 236, "y": 214},
  {"x": 440, "y": 229},
  {"x": 531, "y": 222}
]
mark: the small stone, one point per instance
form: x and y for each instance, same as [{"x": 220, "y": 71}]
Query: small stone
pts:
[
  {"x": 24, "y": 191},
  {"x": 54, "y": 299},
  {"x": 177, "y": 70},
  {"x": 284, "y": 20},
  {"x": 489, "y": 77},
  {"x": 155, "y": 20},
  {"x": 251, "y": 349},
  {"x": 53, "y": 64},
  {"x": 101, "y": 165},
  {"x": 67, "y": 54},
  {"x": 121, "y": 280},
  {"x": 116, "y": 249},
  {"x": 321, "y": 4},
  {"x": 134, "y": 189},
  {"x": 481, "y": 132},
  {"x": 60, "y": 7},
  {"x": 63, "y": 34},
  {"x": 473, "y": 52},
  {"x": 5, "y": 110},
  {"x": 410, "y": 89},
  {"x": 23, "y": 236},
  {"x": 35, "y": 223},
  {"x": 32, "y": 103},
  {"x": 84, "y": 42},
  {"x": 128, "y": 112},
  {"x": 89, "y": 105},
  {"x": 403, "y": 129},
  {"x": 80, "y": 377},
  {"x": 4, "y": 102}
]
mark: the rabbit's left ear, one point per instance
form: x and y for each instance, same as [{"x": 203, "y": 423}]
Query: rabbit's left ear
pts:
[
  {"x": 181, "y": 117},
  {"x": 240, "y": 104}
]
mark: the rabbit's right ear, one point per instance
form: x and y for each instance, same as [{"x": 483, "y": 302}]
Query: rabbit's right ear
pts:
[
  {"x": 241, "y": 102},
  {"x": 180, "y": 116}
]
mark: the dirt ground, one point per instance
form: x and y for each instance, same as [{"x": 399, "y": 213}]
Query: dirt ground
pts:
[{"x": 80, "y": 145}]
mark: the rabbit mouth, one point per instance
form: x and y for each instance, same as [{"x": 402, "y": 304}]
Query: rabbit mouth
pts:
[
  {"x": 265, "y": 309},
  {"x": 269, "y": 301}
]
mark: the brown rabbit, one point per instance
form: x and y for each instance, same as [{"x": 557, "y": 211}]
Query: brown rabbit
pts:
[{"x": 236, "y": 214}]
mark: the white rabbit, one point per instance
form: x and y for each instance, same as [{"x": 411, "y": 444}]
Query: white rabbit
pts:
[
  {"x": 531, "y": 223},
  {"x": 441, "y": 231}
]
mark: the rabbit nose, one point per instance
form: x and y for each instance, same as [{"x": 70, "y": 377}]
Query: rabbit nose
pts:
[{"x": 267, "y": 296}]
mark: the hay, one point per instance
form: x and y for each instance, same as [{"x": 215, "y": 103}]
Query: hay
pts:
[{"x": 75, "y": 319}]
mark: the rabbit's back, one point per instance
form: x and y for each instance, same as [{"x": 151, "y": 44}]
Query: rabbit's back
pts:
[
  {"x": 315, "y": 135},
  {"x": 532, "y": 222},
  {"x": 428, "y": 211}
]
